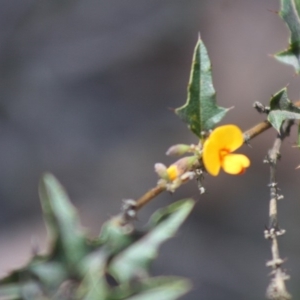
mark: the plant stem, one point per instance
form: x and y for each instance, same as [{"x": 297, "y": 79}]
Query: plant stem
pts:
[
  {"x": 256, "y": 130},
  {"x": 248, "y": 135},
  {"x": 260, "y": 127},
  {"x": 152, "y": 193},
  {"x": 148, "y": 196},
  {"x": 277, "y": 288}
]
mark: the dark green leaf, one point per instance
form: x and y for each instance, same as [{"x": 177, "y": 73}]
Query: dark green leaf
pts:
[
  {"x": 289, "y": 11},
  {"x": 115, "y": 237},
  {"x": 94, "y": 285},
  {"x": 134, "y": 261},
  {"x": 282, "y": 109},
  {"x": 44, "y": 269},
  {"x": 62, "y": 221},
  {"x": 162, "y": 288},
  {"x": 51, "y": 273},
  {"x": 26, "y": 289},
  {"x": 201, "y": 112},
  {"x": 10, "y": 291},
  {"x": 276, "y": 117},
  {"x": 298, "y": 139},
  {"x": 280, "y": 101}
]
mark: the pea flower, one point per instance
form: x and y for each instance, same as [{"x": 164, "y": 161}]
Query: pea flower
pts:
[{"x": 218, "y": 148}]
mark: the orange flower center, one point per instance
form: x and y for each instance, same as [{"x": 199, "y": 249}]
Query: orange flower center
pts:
[{"x": 223, "y": 153}]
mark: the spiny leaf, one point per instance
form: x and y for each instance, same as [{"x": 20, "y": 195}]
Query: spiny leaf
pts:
[
  {"x": 298, "y": 139},
  {"x": 281, "y": 101},
  {"x": 50, "y": 273},
  {"x": 134, "y": 260},
  {"x": 276, "y": 117},
  {"x": 282, "y": 109},
  {"x": 62, "y": 221},
  {"x": 201, "y": 112},
  {"x": 23, "y": 290},
  {"x": 94, "y": 285},
  {"x": 289, "y": 12},
  {"x": 115, "y": 237},
  {"x": 162, "y": 288},
  {"x": 10, "y": 291}
]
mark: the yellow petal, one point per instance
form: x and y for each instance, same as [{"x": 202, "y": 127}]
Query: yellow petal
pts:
[
  {"x": 235, "y": 163},
  {"x": 227, "y": 137},
  {"x": 211, "y": 157},
  {"x": 173, "y": 172}
]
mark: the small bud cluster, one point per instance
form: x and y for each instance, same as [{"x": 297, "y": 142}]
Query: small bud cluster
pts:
[{"x": 182, "y": 170}]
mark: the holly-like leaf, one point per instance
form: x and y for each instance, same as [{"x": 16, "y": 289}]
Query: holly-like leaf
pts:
[
  {"x": 50, "y": 273},
  {"x": 116, "y": 237},
  {"x": 62, "y": 222},
  {"x": 298, "y": 136},
  {"x": 289, "y": 12},
  {"x": 276, "y": 117},
  {"x": 282, "y": 109},
  {"x": 162, "y": 288},
  {"x": 201, "y": 112},
  {"x": 10, "y": 291},
  {"x": 94, "y": 285},
  {"x": 134, "y": 261},
  {"x": 281, "y": 101}
]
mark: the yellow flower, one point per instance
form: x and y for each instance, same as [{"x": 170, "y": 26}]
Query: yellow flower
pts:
[{"x": 218, "y": 148}]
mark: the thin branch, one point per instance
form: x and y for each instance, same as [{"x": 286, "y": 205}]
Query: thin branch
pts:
[
  {"x": 277, "y": 288},
  {"x": 146, "y": 198},
  {"x": 248, "y": 135},
  {"x": 256, "y": 130},
  {"x": 260, "y": 128},
  {"x": 152, "y": 193}
]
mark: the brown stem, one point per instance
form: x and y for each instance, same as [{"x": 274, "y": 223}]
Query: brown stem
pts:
[
  {"x": 248, "y": 135},
  {"x": 256, "y": 130},
  {"x": 260, "y": 127},
  {"x": 277, "y": 288},
  {"x": 147, "y": 197}
]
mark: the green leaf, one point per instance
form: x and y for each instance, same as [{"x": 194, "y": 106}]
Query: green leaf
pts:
[
  {"x": 10, "y": 291},
  {"x": 201, "y": 112},
  {"x": 289, "y": 12},
  {"x": 162, "y": 288},
  {"x": 135, "y": 260},
  {"x": 282, "y": 109},
  {"x": 24, "y": 290},
  {"x": 298, "y": 137},
  {"x": 276, "y": 117},
  {"x": 50, "y": 273},
  {"x": 116, "y": 237},
  {"x": 94, "y": 285},
  {"x": 62, "y": 222},
  {"x": 281, "y": 101}
]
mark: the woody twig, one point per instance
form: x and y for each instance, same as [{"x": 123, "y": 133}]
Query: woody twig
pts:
[{"x": 277, "y": 288}]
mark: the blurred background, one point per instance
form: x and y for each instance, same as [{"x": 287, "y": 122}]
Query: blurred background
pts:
[{"x": 86, "y": 89}]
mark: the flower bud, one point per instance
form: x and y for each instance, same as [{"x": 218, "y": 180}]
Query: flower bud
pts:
[
  {"x": 161, "y": 170},
  {"x": 173, "y": 172},
  {"x": 181, "y": 166},
  {"x": 179, "y": 149}
]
